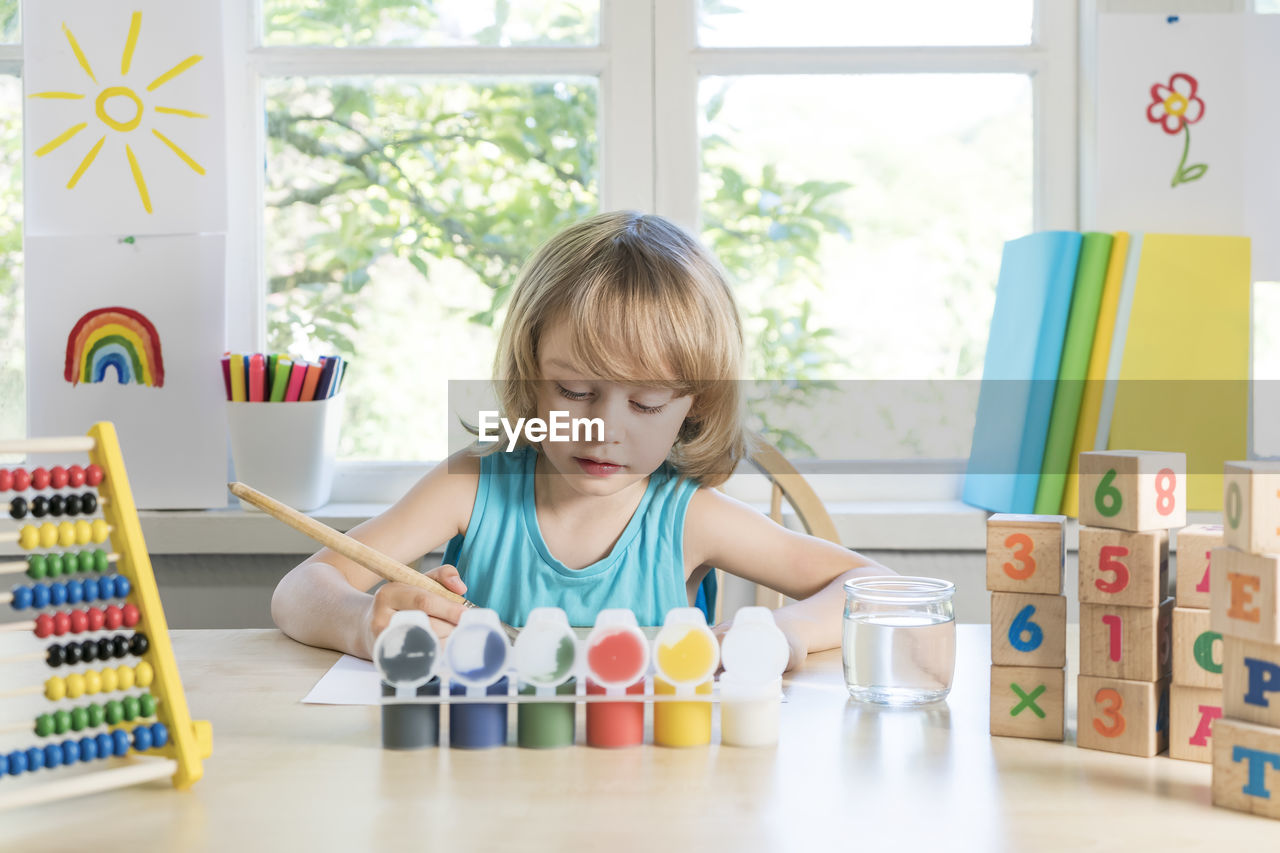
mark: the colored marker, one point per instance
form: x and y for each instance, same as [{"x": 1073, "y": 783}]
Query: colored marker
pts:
[
  {"x": 237, "y": 378},
  {"x": 685, "y": 654},
  {"x": 477, "y": 652},
  {"x": 326, "y": 377},
  {"x": 271, "y": 372},
  {"x": 280, "y": 380},
  {"x": 617, "y": 658},
  {"x": 338, "y": 372},
  {"x": 226, "y": 374},
  {"x": 308, "y": 392},
  {"x": 257, "y": 377},
  {"x": 296, "y": 374}
]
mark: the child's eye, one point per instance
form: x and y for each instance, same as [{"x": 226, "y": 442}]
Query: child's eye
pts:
[
  {"x": 571, "y": 395},
  {"x": 648, "y": 410}
]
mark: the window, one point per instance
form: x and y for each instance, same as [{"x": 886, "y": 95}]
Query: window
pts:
[{"x": 832, "y": 154}]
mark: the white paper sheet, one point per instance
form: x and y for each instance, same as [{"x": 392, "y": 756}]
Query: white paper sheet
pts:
[
  {"x": 173, "y": 435},
  {"x": 129, "y": 75},
  {"x": 350, "y": 681}
]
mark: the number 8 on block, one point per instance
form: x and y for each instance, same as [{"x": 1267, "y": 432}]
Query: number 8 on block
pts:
[{"x": 1133, "y": 489}]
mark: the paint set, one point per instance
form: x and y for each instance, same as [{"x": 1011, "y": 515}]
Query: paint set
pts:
[{"x": 614, "y": 672}]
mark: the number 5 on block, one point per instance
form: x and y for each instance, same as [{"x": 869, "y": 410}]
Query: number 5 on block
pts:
[
  {"x": 1025, "y": 553},
  {"x": 1133, "y": 489}
]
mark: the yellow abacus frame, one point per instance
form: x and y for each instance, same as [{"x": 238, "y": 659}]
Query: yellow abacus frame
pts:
[{"x": 190, "y": 741}]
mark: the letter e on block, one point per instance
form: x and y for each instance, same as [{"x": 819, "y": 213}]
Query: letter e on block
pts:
[
  {"x": 1242, "y": 595},
  {"x": 1025, "y": 553}
]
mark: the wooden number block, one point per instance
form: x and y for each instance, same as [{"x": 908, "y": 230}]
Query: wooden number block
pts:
[
  {"x": 1116, "y": 715},
  {"x": 1251, "y": 681},
  {"x": 1251, "y": 506},
  {"x": 1242, "y": 595},
  {"x": 1126, "y": 642},
  {"x": 1133, "y": 489},
  {"x": 1197, "y": 650},
  {"x": 1027, "y": 701},
  {"x": 1192, "y": 711},
  {"x": 1123, "y": 567},
  {"x": 1028, "y": 630},
  {"x": 1025, "y": 553},
  {"x": 1246, "y": 767},
  {"x": 1194, "y": 544}
]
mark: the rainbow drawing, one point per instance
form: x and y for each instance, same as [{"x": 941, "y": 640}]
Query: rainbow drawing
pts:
[{"x": 119, "y": 338}]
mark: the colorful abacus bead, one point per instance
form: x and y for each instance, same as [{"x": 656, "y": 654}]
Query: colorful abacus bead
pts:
[
  {"x": 93, "y": 475},
  {"x": 58, "y": 477},
  {"x": 39, "y": 479},
  {"x": 6, "y": 479},
  {"x": 18, "y": 508},
  {"x": 75, "y": 476},
  {"x": 21, "y": 480}
]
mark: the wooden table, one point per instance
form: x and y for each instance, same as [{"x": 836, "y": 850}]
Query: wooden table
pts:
[{"x": 288, "y": 776}]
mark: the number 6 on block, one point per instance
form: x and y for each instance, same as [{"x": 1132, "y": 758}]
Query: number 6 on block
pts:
[
  {"x": 1028, "y": 630},
  {"x": 1133, "y": 489}
]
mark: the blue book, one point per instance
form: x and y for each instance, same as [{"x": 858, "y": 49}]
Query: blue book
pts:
[{"x": 1024, "y": 351}]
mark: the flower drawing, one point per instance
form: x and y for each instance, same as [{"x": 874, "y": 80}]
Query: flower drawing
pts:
[{"x": 1175, "y": 108}]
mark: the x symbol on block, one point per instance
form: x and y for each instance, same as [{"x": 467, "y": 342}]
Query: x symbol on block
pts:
[{"x": 1028, "y": 700}]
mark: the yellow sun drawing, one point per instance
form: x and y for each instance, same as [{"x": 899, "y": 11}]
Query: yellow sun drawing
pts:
[{"x": 133, "y": 102}]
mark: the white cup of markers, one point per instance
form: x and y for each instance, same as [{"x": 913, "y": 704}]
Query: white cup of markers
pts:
[
  {"x": 615, "y": 671},
  {"x": 286, "y": 451}
]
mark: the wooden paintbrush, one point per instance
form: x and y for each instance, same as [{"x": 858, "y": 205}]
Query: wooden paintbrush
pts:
[{"x": 353, "y": 549}]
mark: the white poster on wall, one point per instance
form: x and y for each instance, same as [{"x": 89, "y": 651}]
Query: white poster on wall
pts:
[
  {"x": 124, "y": 117},
  {"x": 1262, "y": 155},
  {"x": 1187, "y": 117},
  {"x": 131, "y": 331},
  {"x": 1171, "y": 115}
]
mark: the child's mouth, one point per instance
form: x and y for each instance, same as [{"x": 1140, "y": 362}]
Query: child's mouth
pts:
[{"x": 597, "y": 469}]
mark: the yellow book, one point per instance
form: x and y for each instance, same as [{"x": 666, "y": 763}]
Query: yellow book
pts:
[
  {"x": 1095, "y": 377},
  {"x": 1184, "y": 378}
]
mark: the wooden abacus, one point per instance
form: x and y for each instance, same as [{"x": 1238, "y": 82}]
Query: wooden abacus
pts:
[{"x": 153, "y": 728}]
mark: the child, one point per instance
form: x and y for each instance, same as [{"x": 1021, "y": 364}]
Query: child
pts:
[{"x": 626, "y": 318}]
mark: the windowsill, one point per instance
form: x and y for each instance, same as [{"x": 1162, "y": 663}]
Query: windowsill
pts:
[{"x": 864, "y": 525}]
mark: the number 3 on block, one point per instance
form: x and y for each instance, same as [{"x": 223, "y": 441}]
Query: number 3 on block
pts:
[
  {"x": 1022, "y": 547},
  {"x": 1113, "y": 703}
]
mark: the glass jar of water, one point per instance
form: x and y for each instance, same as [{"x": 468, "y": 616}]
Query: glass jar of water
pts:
[{"x": 899, "y": 641}]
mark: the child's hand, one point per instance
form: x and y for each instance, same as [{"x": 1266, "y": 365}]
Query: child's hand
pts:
[{"x": 393, "y": 596}]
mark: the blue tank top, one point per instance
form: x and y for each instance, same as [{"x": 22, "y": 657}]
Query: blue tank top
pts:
[{"x": 507, "y": 566}]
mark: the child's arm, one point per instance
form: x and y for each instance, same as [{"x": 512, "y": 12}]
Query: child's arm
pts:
[
  {"x": 324, "y": 600},
  {"x": 728, "y": 534}
]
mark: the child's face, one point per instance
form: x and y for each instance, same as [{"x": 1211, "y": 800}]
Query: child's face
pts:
[{"x": 640, "y": 422}]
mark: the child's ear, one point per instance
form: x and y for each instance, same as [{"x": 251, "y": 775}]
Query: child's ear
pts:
[{"x": 690, "y": 429}]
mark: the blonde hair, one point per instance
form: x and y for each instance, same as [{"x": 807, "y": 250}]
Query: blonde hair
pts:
[{"x": 644, "y": 301}]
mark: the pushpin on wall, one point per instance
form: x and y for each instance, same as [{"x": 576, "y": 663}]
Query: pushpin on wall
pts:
[{"x": 755, "y": 654}]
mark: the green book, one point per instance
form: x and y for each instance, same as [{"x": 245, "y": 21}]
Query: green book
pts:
[{"x": 1091, "y": 274}]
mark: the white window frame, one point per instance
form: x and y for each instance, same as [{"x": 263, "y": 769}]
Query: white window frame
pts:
[{"x": 647, "y": 54}]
